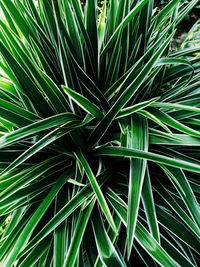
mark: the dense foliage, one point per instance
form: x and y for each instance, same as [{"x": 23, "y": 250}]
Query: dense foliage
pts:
[{"x": 99, "y": 135}]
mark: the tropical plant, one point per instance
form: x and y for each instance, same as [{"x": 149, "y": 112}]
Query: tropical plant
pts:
[{"x": 99, "y": 141}]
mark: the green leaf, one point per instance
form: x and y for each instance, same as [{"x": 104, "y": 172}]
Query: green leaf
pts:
[
  {"x": 27, "y": 231},
  {"x": 175, "y": 106},
  {"x": 26, "y": 82},
  {"x": 20, "y": 180},
  {"x": 137, "y": 139},
  {"x": 185, "y": 11},
  {"x": 95, "y": 186},
  {"x": 106, "y": 249},
  {"x": 60, "y": 232},
  {"x": 168, "y": 197},
  {"x": 134, "y": 153},
  {"x": 123, "y": 24},
  {"x": 83, "y": 102},
  {"x": 167, "y": 119},
  {"x": 78, "y": 234},
  {"x": 150, "y": 116},
  {"x": 103, "y": 125},
  {"x": 68, "y": 209},
  {"x": 102, "y": 26},
  {"x": 183, "y": 187},
  {"x": 43, "y": 142},
  {"x": 149, "y": 206},
  {"x": 36, "y": 253},
  {"x": 74, "y": 32},
  {"x": 45, "y": 124},
  {"x": 177, "y": 228},
  {"x": 146, "y": 240},
  {"x": 8, "y": 86},
  {"x": 179, "y": 140},
  {"x": 132, "y": 109},
  {"x": 166, "y": 11}
]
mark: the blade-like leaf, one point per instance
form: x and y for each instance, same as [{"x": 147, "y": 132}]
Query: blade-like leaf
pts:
[
  {"x": 36, "y": 127},
  {"x": 43, "y": 142},
  {"x": 68, "y": 209},
  {"x": 78, "y": 235},
  {"x": 106, "y": 249},
  {"x": 149, "y": 206},
  {"x": 137, "y": 139},
  {"x": 26, "y": 233},
  {"x": 146, "y": 240},
  {"x": 123, "y": 24},
  {"x": 83, "y": 103},
  {"x": 103, "y": 125},
  {"x": 132, "y": 109},
  {"x": 127, "y": 152},
  {"x": 95, "y": 186}
]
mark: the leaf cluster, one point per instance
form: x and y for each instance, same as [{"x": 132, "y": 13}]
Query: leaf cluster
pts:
[{"x": 99, "y": 135}]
